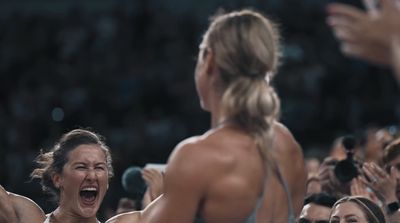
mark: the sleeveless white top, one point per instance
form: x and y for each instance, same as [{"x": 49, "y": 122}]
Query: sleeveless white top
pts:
[{"x": 47, "y": 220}]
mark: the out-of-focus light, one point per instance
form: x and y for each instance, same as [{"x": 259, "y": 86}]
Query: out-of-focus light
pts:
[{"x": 57, "y": 114}]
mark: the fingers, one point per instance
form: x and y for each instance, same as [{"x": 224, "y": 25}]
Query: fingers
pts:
[
  {"x": 337, "y": 9},
  {"x": 387, "y": 4},
  {"x": 370, "y": 173},
  {"x": 379, "y": 171},
  {"x": 154, "y": 180},
  {"x": 367, "y": 51},
  {"x": 380, "y": 182},
  {"x": 151, "y": 174},
  {"x": 346, "y": 35},
  {"x": 357, "y": 188}
]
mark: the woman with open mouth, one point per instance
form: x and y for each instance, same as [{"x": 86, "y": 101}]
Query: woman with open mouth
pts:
[{"x": 76, "y": 171}]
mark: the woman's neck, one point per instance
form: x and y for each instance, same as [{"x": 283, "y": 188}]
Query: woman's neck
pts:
[{"x": 60, "y": 215}]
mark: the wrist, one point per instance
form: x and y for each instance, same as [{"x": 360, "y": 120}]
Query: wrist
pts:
[{"x": 390, "y": 199}]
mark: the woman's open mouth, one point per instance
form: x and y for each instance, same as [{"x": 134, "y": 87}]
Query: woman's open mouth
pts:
[{"x": 88, "y": 195}]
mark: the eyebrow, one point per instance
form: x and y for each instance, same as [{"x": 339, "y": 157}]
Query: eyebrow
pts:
[
  {"x": 351, "y": 215},
  {"x": 83, "y": 163}
]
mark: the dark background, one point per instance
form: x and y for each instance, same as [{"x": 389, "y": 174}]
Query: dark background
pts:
[{"x": 125, "y": 69}]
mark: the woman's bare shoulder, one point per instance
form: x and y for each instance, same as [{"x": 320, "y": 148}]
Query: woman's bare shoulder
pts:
[
  {"x": 197, "y": 159},
  {"x": 27, "y": 210},
  {"x": 284, "y": 141},
  {"x": 129, "y": 217}
]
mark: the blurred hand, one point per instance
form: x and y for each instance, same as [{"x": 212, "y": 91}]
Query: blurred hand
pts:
[
  {"x": 366, "y": 35},
  {"x": 359, "y": 188},
  {"x": 155, "y": 182},
  {"x": 7, "y": 212},
  {"x": 383, "y": 184}
]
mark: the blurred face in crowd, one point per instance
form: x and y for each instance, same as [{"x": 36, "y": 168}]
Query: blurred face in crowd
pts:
[
  {"x": 313, "y": 186},
  {"x": 314, "y": 213},
  {"x": 83, "y": 181},
  {"x": 348, "y": 212},
  {"x": 376, "y": 141}
]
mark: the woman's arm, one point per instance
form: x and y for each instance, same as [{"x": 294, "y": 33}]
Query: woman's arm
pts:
[
  {"x": 7, "y": 212},
  {"x": 26, "y": 209},
  {"x": 15, "y": 208}
]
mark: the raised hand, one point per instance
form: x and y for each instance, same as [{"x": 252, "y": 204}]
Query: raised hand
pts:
[
  {"x": 359, "y": 188},
  {"x": 154, "y": 180},
  {"x": 383, "y": 184},
  {"x": 367, "y": 35}
]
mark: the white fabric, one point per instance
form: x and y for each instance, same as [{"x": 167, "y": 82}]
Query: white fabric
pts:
[{"x": 47, "y": 220}]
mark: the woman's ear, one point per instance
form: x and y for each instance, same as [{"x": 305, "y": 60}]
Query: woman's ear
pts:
[
  {"x": 56, "y": 178},
  {"x": 209, "y": 61}
]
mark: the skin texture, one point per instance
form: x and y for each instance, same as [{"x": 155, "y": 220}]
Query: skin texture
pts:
[
  {"x": 7, "y": 213},
  {"x": 27, "y": 211},
  {"x": 222, "y": 181},
  {"x": 154, "y": 182},
  {"x": 215, "y": 147},
  {"x": 16, "y": 208}
]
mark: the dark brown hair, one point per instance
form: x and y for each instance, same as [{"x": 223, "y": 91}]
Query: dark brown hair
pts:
[{"x": 53, "y": 161}]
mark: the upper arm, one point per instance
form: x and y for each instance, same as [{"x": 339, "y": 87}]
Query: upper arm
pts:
[
  {"x": 26, "y": 209},
  {"x": 184, "y": 184},
  {"x": 128, "y": 217},
  {"x": 7, "y": 211}
]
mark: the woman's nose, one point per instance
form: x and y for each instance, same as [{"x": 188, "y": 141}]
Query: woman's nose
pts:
[{"x": 91, "y": 174}]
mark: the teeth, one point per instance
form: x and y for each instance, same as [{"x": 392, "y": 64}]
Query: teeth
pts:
[{"x": 89, "y": 189}]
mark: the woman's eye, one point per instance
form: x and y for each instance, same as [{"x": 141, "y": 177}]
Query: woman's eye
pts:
[
  {"x": 80, "y": 167},
  {"x": 352, "y": 221},
  {"x": 100, "y": 168}
]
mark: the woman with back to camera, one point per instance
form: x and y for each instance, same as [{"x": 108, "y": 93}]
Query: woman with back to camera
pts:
[
  {"x": 76, "y": 171},
  {"x": 230, "y": 173}
]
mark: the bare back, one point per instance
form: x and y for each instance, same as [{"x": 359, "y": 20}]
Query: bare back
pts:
[
  {"x": 289, "y": 158},
  {"x": 220, "y": 177}
]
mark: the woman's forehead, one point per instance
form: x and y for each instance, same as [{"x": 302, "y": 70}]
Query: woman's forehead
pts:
[{"x": 87, "y": 152}]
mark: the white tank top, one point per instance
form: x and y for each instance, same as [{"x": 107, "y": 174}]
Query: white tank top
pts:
[{"x": 47, "y": 220}]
